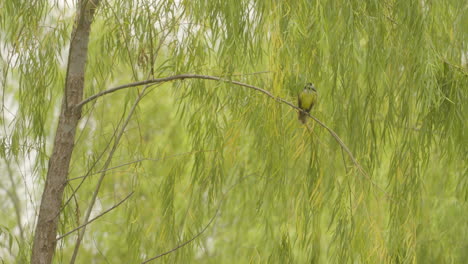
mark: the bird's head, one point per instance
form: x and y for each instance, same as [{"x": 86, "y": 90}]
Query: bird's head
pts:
[{"x": 310, "y": 86}]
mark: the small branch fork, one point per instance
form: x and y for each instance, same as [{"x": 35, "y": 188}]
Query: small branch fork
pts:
[{"x": 214, "y": 78}]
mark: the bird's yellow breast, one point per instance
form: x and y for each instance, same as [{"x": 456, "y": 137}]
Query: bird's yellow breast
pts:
[{"x": 307, "y": 100}]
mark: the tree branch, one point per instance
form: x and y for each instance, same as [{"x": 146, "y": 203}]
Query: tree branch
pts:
[
  {"x": 103, "y": 173},
  {"x": 139, "y": 161},
  {"x": 167, "y": 79},
  {"x": 278, "y": 99},
  {"x": 95, "y": 218},
  {"x": 188, "y": 241},
  {"x": 206, "y": 226}
]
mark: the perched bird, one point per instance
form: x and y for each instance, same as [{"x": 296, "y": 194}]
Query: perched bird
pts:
[{"x": 306, "y": 100}]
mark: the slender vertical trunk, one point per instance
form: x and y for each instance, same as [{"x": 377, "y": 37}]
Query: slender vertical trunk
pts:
[{"x": 57, "y": 174}]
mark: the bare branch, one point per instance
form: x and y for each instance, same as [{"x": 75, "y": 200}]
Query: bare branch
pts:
[
  {"x": 95, "y": 218},
  {"x": 278, "y": 99},
  {"x": 188, "y": 241},
  {"x": 103, "y": 174},
  {"x": 138, "y": 161},
  {"x": 206, "y": 226},
  {"x": 167, "y": 79}
]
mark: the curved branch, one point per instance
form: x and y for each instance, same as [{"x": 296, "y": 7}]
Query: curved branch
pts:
[
  {"x": 206, "y": 226},
  {"x": 167, "y": 79},
  {"x": 278, "y": 99},
  {"x": 188, "y": 241}
]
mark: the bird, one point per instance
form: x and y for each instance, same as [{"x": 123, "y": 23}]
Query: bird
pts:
[{"x": 306, "y": 100}]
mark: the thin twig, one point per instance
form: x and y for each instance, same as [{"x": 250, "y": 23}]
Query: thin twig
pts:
[
  {"x": 188, "y": 241},
  {"x": 138, "y": 161},
  {"x": 458, "y": 67},
  {"x": 278, "y": 99},
  {"x": 253, "y": 73},
  {"x": 344, "y": 161},
  {"x": 88, "y": 172},
  {"x": 206, "y": 226},
  {"x": 103, "y": 174},
  {"x": 95, "y": 218}
]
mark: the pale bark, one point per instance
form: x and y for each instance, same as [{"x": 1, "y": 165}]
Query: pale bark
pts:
[{"x": 57, "y": 174}]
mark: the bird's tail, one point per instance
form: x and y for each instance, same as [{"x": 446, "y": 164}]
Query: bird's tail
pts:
[{"x": 302, "y": 117}]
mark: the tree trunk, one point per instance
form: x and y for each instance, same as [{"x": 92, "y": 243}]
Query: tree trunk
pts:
[{"x": 57, "y": 174}]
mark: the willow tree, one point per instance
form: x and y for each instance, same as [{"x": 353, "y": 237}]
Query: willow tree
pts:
[{"x": 168, "y": 130}]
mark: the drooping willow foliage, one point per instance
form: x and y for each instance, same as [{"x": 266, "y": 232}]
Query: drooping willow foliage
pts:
[{"x": 228, "y": 163}]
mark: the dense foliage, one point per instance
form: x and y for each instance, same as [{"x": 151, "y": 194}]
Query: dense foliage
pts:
[{"x": 392, "y": 80}]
